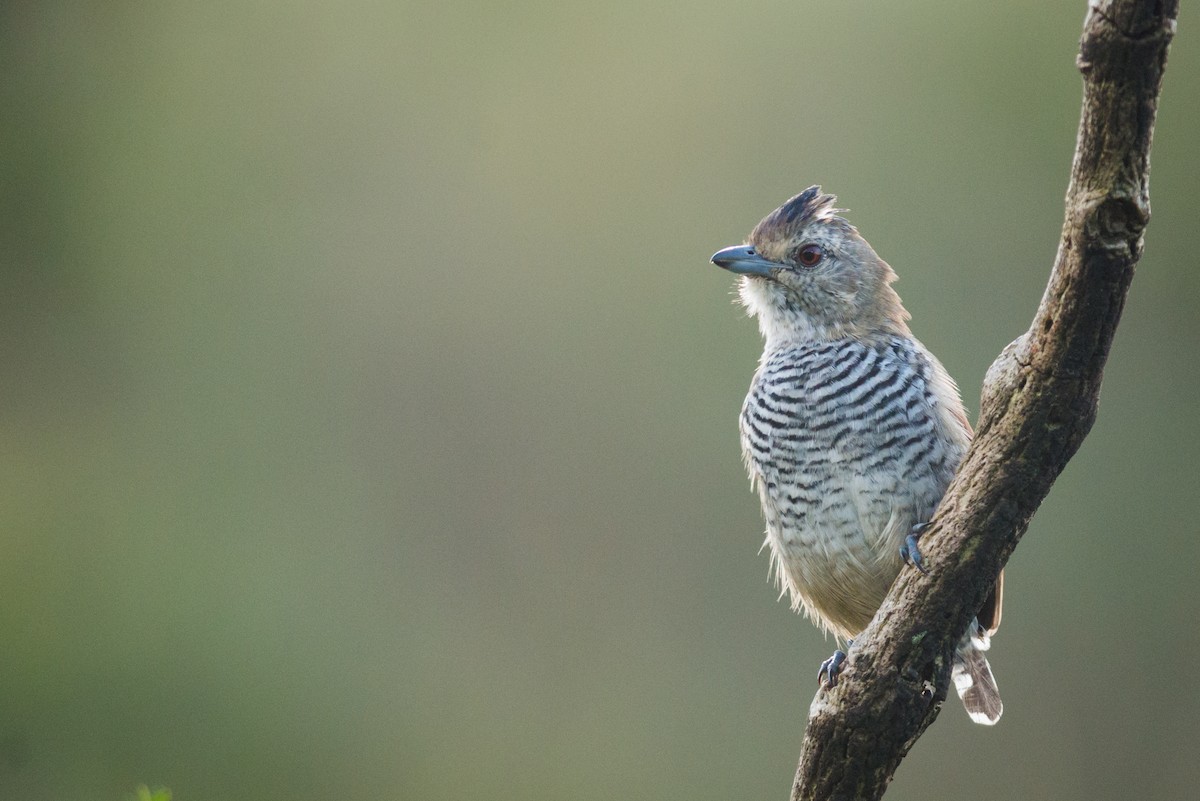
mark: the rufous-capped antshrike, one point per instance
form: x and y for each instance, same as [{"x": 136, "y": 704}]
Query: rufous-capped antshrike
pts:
[{"x": 851, "y": 430}]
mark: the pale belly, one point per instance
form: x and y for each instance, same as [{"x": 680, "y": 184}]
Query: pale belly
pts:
[{"x": 839, "y": 563}]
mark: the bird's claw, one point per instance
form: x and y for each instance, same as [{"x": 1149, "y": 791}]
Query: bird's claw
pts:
[
  {"x": 831, "y": 668},
  {"x": 910, "y": 552}
]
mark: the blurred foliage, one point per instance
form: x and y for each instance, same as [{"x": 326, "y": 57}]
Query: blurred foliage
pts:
[
  {"x": 369, "y": 402},
  {"x": 144, "y": 793}
]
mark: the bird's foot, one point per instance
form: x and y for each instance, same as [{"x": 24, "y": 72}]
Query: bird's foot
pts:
[
  {"x": 831, "y": 668},
  {"x": 910, "y": 552}
]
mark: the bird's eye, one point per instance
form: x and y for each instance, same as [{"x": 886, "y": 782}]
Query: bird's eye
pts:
[{"x": 809, "y": 255}]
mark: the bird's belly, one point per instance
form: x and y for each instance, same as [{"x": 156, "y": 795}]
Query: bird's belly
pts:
[{"x": 837, "y": 556}]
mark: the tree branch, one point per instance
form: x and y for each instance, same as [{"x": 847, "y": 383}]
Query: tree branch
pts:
[{"x": 1039, "y": 402}]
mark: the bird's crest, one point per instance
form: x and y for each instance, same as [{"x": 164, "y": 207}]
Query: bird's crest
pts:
[{"x": 811, "y": 204}]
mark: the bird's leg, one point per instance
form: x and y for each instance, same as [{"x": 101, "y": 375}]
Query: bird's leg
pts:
[
  {"x": 909, "y": 551},
  {"x": 831, "y": 668}
]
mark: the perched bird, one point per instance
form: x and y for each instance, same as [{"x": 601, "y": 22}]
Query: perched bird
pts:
[{"x": 851, "y": 430}]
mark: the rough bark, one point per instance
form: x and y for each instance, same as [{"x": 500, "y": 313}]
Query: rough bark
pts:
[{"x": 1039, "y": 402}]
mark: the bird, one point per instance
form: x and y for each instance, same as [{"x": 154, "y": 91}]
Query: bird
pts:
[{"x": 851, "y": 430}]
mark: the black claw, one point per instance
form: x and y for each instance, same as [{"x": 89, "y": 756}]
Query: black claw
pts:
[
  {"x": 831, "y": 668},
  {"x": 910, "y": 552}
]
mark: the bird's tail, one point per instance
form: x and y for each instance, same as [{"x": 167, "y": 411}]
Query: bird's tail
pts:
[{"x": 974, "y": 681}]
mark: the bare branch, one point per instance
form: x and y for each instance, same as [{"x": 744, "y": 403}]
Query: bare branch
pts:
[{"x": 1039, "y": 402}]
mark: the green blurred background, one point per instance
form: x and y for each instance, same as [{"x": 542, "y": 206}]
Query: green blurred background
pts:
[{"x": 369, "y": 402}]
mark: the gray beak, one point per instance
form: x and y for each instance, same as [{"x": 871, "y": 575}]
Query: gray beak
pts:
[{"x": 744, "y": 261}]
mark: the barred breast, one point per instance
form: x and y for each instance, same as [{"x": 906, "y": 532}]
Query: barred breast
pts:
[{"x": 849, "y": 444}]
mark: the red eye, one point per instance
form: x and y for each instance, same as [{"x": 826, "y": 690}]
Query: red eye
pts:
[{"x": 809, "y": 255}]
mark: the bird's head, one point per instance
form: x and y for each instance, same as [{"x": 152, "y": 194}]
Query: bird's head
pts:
[{"x": 806, "y": 273}]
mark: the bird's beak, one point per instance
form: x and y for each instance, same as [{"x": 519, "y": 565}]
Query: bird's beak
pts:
[{"x": 744, "y": 261}]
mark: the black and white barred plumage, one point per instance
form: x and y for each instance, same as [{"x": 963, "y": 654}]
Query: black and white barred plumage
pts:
[
  {"x": 851, "y": 430},
  {"x": 841, "y": 439}
]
